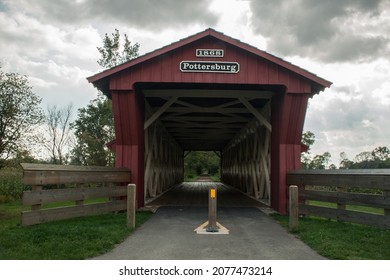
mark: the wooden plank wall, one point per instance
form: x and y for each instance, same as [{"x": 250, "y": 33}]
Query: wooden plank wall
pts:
[
  {"x": 246, "y": 161},
  {"x": 365, "y": 188},
  {"x": 253, "y": 69},
  {"x": 41, "y": 175},
  {"x": 164, "y": 161}
]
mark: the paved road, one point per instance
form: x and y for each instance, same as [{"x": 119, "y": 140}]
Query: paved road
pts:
[{"x": 169, "y": 234}]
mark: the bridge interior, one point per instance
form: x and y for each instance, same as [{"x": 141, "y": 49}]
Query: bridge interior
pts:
[{"x": 232, "y": 120}]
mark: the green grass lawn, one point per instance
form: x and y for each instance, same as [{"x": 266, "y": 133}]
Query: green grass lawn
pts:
[
  {"x": 78, "y": 238},
  {"x": 342, "y": 241}
]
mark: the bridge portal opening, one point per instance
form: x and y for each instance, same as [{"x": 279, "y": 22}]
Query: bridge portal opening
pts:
[{"x": 231, "y": 123}]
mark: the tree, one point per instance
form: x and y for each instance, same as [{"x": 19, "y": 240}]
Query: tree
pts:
[
  {"x": 381, "y": 153},
  {"x": 320, "y": 161},
  {"x": 201, "y": 162},
  {"x": 377, "y": 158},
  {"x": 94, "y": 128},
  {"x": 363, "y": 157},
  {"x": 19, "y": 157},
  {"x": 308, "y": 139},
  {"x": 112, "y": 54},
  {"x": 59, "y": 133},
  {"x": 19, "y": 113},
  {"x": 345, "y": 163}
]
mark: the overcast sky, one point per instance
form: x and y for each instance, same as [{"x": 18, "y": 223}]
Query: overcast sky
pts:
[{"x": 344, "y": 41}]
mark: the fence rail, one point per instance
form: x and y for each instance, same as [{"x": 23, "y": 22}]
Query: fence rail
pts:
[
  {"x": 39, "y": 175},
  {"x": 349, "y": 188}
]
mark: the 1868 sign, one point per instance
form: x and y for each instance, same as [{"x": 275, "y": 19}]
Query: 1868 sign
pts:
[
  {"x": 209, "y": 52},
  {"x": 209, "y": 66}
]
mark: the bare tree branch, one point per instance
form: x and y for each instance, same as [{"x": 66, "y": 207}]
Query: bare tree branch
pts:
[{"x": 59, "y": 133}]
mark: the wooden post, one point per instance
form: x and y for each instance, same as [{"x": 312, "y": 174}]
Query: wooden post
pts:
[
  {"x": 80, "y": 202},
  {"x": 212, "y": 226},
  {"x": 36, "y": 206},
  {"x": 293, "y": 208},
  {"x": 386, "y": 195},
  {"x": 340, "y": 206},
  {"x": 131, "y": 205}
]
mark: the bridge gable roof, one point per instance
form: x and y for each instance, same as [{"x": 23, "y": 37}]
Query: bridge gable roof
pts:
[{"x": 108, "y": 79}]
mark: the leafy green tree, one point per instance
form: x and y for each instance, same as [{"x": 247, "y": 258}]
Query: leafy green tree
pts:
[
  {"x": 363, "y": 157},
  {"x": 19, "y": 113},
  {"x": 112, "y": 54},
  {"x": 19, "y": 157},
  {"x": 308, "y": 139},
  {"x": 377, "y": 158},
  {"x": 201, "y": 162},
  {"x": 320, "y": 161},
  {"x": 94, "y": 128},
  {"x": 381, "y": 153}
]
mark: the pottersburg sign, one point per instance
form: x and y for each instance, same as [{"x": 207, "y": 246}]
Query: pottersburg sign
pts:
[{"x": 209, "y": 66}]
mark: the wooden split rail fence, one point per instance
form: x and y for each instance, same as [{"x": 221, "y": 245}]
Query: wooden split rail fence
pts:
[
  {"x": 346, "y": 189},
  {"x": 109, "y": 182}
]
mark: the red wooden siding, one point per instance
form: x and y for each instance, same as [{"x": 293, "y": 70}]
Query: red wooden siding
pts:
[
  {"x": 129, "y": 118},
  {"x": 253, "y": 70}
]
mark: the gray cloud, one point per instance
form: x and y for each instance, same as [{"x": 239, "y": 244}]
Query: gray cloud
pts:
[
  {"x": 143, "y": 14},
  {"x": 351, "y": 121},
  {"x": 344, "y": 30}
]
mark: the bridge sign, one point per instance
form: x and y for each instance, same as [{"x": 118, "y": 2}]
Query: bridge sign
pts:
[
  {"x": 209, "y": 53},
  {"x": 210, "y": 66}
]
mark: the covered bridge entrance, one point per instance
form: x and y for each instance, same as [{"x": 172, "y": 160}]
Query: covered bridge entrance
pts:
[{"x": 209, "y": 92}]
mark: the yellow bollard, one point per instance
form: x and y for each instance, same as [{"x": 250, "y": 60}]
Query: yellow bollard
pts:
[{"x": 212, "y": 226}]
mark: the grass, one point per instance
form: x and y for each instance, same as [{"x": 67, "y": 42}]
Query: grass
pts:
[
  {"x": 216, "y": 178},
  {"x": 11, "y": 185},
  {"x": 79, "y": 238},
  {"x": 342, "y": 241}
]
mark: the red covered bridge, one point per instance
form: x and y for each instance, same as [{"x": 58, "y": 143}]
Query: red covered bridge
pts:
[{"x": 210, "y": 92}]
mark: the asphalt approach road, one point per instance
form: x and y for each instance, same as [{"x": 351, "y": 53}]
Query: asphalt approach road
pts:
[{"x": 169, "y": 233}]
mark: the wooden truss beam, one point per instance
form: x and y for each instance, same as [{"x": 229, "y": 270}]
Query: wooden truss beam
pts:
[
  {"x": 159, "y": 112},
  {"x": 233, "y": 119},
  {"x": 220, "y": 110},
  {"x": 256, "y": 113},
  {"x": 204, "y": 93}
]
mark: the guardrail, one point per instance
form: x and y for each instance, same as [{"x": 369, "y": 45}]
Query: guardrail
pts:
[
  {"x": 40, "y": 175},
  {"x": 348, "y": 190}
]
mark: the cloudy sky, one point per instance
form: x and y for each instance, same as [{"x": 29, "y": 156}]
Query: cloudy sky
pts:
[{"x": 344, "y": 41}]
